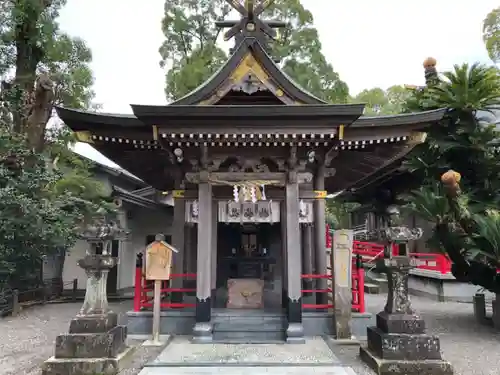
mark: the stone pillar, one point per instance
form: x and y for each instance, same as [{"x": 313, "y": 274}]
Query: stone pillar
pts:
[
  {"x": 307, "y": 249},
  {"x": 95, "y": 343},
  {"x": 178, "y": 238},
  {"x": 399, "y": 344},
  {"x": 320, "y": 235},
  {"x": 202, "y": 331},
  {"x": 294, "y": 332},
  {"x": 213, "y": 284}
]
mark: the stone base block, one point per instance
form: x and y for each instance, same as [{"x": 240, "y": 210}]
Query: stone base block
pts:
[
  {"x": 400, "y": 323},
  {"x": 87, "y": 366},
  {"x": 295, "y": 334},
  {"x": 91, "y": 345},
  {"x": 93, "y": 323},
  {"x": 202, "y": 333},
  {"x": 496, "y": 312},
  {"x": 405, "y": 367},
  {"x": 403, "y": 346}
]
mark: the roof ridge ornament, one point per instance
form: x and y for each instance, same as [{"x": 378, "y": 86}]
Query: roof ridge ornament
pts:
[{"x": 250, "y": 25}]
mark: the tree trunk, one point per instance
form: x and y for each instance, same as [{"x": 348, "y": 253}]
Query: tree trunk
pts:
[{"x": 33, "y": 97}]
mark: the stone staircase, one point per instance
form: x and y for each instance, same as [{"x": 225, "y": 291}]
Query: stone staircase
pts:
[
  {"x": 238, "y": 326},
  {"x": 375, "y": 283}
]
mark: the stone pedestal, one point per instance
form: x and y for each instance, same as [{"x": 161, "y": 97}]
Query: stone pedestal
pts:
[
  {"x": 245, "y": 293},
  {"x": 496, "y": 312},
  {"x": 95, "y": 343},
  {"x": 399, "y": 344}
]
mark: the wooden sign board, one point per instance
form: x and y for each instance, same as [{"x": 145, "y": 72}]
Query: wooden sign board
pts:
[
  {"x": 159, "y": 256},
  {"x": 342, "y": 257}
]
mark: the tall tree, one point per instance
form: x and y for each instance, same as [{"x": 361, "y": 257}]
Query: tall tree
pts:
[
  {"x": 47, "y": 193},
  {"x": 190, "y": 52},
  {"x": 40, "y": 66},
  {"x": 383, "y": 102},
  {"x": 463, "y": 206},
  {"x": 491, "y": 34}
]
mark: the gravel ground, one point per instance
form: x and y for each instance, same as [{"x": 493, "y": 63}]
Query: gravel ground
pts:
[
  {"x": 471, "y": 348},
  {"x": 27, "y": 340}
]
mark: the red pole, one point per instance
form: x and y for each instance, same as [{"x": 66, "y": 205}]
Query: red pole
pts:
[
  {"x": 395, "y": 250},
  {"x": 138, "y": 283},
  {"x": 361, "y": 289}
]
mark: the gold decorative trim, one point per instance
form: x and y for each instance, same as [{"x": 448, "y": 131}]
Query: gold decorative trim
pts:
[
  {"x": 84, "y": 136},
  {"x": 341, "y": 131},
  {"x": 320, "y": 194},
  {"x": 178, "y": 193},
  {"x": 416, "y": 138}
]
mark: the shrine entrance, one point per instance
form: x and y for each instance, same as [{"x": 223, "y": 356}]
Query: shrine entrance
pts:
[{"x": 249, "y": 258}]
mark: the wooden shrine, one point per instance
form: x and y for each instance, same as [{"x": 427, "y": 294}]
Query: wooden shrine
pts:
[{"x": 249, "y": 157}]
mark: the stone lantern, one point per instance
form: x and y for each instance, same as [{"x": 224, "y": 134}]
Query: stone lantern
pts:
[
  {"x": 398, "y": 344},
  {"x": 95, "y": 343}
]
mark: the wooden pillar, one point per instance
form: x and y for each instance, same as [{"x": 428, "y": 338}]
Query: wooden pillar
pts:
[
  {"x": 202, "y": 331},
  {"x": 213, "y": 284},
  {"x": 178, "y": 241},
  {"x": 320, "y": 235},
  {"x": 307, "y": 249},
  {"x": 284, "y": 271},
  {"x": 294, "y": 331}
]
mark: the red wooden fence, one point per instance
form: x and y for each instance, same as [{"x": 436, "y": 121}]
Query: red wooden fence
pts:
[{"x": 371, "y": 251}]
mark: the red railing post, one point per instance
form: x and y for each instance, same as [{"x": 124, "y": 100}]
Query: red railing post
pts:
[
  {"x": 138, "y": 283},
  {"x": 361, "y": 289}
]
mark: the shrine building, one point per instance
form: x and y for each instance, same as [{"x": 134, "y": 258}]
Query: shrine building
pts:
[{"x": 249, "y": 158}]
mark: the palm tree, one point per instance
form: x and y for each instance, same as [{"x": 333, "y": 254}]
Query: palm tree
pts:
[{"x": 462, "y": 206}]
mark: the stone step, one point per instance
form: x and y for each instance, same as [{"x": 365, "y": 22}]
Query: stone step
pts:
[
  {"x": 256, "y": 322},
  {"x": 249, "y": 370},
  {"x": 372, "y": 288},
  {"x": 248, "y": 337},
  {"x": 262, "y": 326}
]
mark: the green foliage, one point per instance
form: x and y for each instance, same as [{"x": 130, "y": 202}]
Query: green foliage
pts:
[
  {"x": 48, "y": 195},
  {"x": 467, "y": 225},
  {"x": 191, "y": 54},
  {"x": 383, "y": 102},
  {"x": 40, "y": 212},
  {"x": 338, "y": 213},
  {"x": 491, "y": 34},
  {"x": 47, "y": 49}
]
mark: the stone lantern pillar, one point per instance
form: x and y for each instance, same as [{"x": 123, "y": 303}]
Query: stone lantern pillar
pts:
[
  {"x": 95, "y": 343},
  {"x": 399, "y": 344}
]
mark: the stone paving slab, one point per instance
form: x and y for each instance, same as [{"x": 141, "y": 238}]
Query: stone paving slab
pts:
[
  {"x": 181, "y": 350},
  {"x": 250, "y": 370}
]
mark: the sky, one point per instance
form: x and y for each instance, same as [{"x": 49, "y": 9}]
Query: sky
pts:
[{"x": 369, "y": 43}]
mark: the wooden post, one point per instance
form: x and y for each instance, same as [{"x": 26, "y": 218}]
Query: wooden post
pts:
[
  {"x": 16, "y": 308},
  {"x": 342, "y": 277},
  {"x": 74, "y": 291},
  {"x": 294, "y": 332},
  {"x": 158, "y": 265},
  {"x": 320, "y": 234},
  {"x": 156, "y": 311}
]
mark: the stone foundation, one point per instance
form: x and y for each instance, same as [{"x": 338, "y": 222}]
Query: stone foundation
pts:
[
  {"x": 399, "y": 345},
  {"x": 94, "y": 345},
  {"x": 182, "y": 322},
  {"x": 439, "y": 287}
]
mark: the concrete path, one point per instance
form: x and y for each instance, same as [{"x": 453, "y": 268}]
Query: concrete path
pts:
[{"x": 183, "y": 357}]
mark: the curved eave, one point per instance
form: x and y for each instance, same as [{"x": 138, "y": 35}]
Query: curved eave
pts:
[
  {"x": 79, "y": 120},
  {"x": 253, "y": 46},
  {"x": 381, "y": 165},
  {"x": 423, "y": 118},
  {"x": 175, "y": 112}
]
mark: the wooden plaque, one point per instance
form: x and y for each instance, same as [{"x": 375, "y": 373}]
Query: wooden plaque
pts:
[{"x": 159, "y": 256}]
